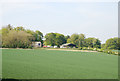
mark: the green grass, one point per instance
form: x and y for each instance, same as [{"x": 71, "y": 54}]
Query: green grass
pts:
[{"x": 51, "y": 64}]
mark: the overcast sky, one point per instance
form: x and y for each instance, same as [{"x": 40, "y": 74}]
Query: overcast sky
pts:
[{"x": 94, "y": 18}]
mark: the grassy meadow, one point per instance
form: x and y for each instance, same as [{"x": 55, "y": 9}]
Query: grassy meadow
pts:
[{"x": 54, "y": 64}]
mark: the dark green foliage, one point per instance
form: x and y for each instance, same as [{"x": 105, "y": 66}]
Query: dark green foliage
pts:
[
  {"x": 67, "y": 37},
  {"x": 55, "y": 39},
  {"x": 50, "y": 39},
  {"x": 38, "y": 36},
  {"x": 84, "y": 48},
  {"x": 100, "y": 50},
  {"x": 92, "y": 43},
  {"x": 112, "y": 43},
  {"x": 77, "y": 39},
  {"x": 19, "y": 37},
  {"x": 80, "y": 48},
  {"x": 103, "y": 46}
]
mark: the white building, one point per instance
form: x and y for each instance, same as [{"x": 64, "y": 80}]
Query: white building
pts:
[{"x": 37, "y": 44}]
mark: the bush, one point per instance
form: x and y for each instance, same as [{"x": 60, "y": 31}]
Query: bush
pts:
[
  {"x": 94, "y": 49},
  {"x": 15, "y": 39},
  {"x": 115, "y": 52},
  {"x": 91, "y": 48},
  {"x": 80, "y": 48},
  {"x": 84, "y": 48},
  {"x": 100, "y": 50},
  {"x": 30, "y": 47},
  {"x": 108, "y": 51}
]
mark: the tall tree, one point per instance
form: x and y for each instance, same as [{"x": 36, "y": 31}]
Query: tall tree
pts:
[
  {"x": 81, "y": 40},
  {"x": 67, "y": 37},
  {"x": 75, "y": 39},
  {"x": 96, "y": 43},
  {"x": 112, "y": 43},
  {"x": 50, "y": 39},
  {"x": 16, "y": 39},
  {"x": 19, "y": 28},
  {"x": 60, "y": 39},
  {"x": 55, "y": 39},
  {"x": 89, "y": 42},
  {"x": 38, "y": 36},
  {"x": 93, "y": 43}
]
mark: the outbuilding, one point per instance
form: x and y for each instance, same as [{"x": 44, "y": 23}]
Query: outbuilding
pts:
[
  {"x": 68, "y": 45},
  {"x": 36, "y": 44}
]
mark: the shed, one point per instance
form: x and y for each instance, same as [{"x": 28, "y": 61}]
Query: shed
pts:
[{"x": 68, "y": 45}]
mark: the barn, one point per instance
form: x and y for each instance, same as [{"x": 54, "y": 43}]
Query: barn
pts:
[{"x": 68, "y": 45}]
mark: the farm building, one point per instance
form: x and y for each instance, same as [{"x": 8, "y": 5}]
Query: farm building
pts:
[
  {"x": 68, "y": 45},
  {"x": 36, "y": 44}
]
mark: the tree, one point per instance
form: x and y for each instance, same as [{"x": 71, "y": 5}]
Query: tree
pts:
[
  {"x": 9, "y": 27},
  {"x": 6, "y": 29},
  {"x": 50, "y": 39},
  {"x": 38, "y": 36},
  {"x": 92, "y": 43},
  {"x": 55, "y": 39},
  {"x": 12, "y": 37},
  {"x": 19, "y": 28},
  {"x": 68, "y": 40},
  {"x": 96, "y": 43},
  {"x": 60, "y": 39},
  {"x": 103, "y": 46},
  {"x": 77, "y": 39},
  {"x": 67, "y": 37},
  {"x": 81, "y": 40},
  {"x": 74, "y": 39},
  {"x": 89, "y": 42},
  {"x": 16, "y": 39},
  {"x": 112, "y": 43}
]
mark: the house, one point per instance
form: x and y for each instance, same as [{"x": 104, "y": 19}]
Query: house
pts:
[
  {"x": 68, "y": 45},
  {"x": 36, "y": 44}
]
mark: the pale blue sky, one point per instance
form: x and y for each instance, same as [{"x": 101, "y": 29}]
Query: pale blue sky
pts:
[{"x": 94, "y": 19}]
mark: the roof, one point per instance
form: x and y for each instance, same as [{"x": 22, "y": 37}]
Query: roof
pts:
[{"x": 68, "y": 44}]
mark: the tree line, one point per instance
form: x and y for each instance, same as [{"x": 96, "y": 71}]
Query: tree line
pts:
[{"x": 19, "y": 37}]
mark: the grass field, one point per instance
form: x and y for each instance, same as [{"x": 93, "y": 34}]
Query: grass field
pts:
[{"x": 54, "y": 64}]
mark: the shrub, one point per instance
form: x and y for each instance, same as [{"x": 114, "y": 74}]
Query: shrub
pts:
[
  {"x": 84, "y": 48},
  {"x": 91, "y": 48},
  {"x": 94, "y": 49},
  {"x": 15, "y": 39},
  {"x": 108, "y": 51},
  {"x": 100, "y": 50},
  {"x": 30, "y": 47},
  {"x": 80, "y": 48}
]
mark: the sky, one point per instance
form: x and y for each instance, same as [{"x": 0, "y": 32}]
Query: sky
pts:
[{"x": 94, "y": 18}]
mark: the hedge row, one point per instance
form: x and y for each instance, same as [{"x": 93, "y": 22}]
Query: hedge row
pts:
[{"x": 100, "y": 50}]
